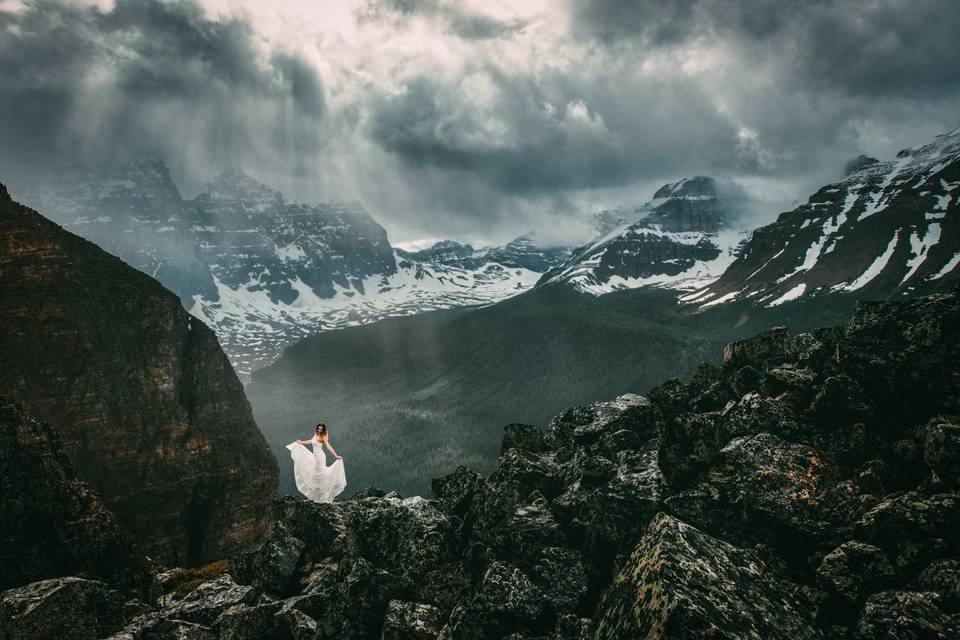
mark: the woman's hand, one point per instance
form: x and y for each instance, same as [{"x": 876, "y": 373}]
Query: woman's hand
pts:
[{"x": 338, "y": 457}]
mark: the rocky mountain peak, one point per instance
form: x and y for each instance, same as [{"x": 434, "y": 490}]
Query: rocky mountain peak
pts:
[
  {"x": 673, "y": 240},
  {"x": 237, "y": 187},
  {"x": 858, "y": 163},
  {"x": 886, "y": 229},
  {"x": 695, "y": 187}
]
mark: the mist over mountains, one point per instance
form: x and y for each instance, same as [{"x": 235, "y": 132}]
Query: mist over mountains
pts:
[{"x": 264, "y": 272}]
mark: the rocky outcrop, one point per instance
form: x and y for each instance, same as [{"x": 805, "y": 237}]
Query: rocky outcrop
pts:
[
  {"x": 51, "y": 523},
  {"x": 794, "y": 505},
  {"x": 681, "y": 583},
  {"x": 148, "y": 410},
  {"x": 60, "y": 608}
]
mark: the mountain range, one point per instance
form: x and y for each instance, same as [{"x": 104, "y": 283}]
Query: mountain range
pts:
[
  {"x": 681, "y": 239},
  {"x": 264, "y": 272},
  {"x": 659, "y": 291}
]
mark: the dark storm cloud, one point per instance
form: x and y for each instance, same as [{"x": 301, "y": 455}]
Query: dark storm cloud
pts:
[
  {"x": 539, "y": 135},
  {"x": 159, "y": 73},
  {"x": 458, "y": 20},
  {"x": 446, "y": 117},
  {"x": 870, "y": 48}
]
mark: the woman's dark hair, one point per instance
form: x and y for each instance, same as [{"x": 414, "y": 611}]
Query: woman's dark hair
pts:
[{"x": 321, "y": 429}]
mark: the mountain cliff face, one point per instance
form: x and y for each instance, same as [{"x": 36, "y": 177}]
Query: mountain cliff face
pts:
[
  {"x": 263, "y": 272},
  {"x": 51, "y": 523},
  {"x": 149, "y": 411},
  {"x": 888, "y": 229},
  {"x": 807, "y": 488},
  {"x": 679, "y": 240}
]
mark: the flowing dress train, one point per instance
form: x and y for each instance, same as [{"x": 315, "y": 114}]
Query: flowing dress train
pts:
[{"x": 314, "y": 478}]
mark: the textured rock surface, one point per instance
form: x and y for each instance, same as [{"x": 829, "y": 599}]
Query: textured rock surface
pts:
[
  {"x": 60, "y": 608},
  {"x": 51, "y": 523},
  {"x": 682, "y": 583},
  {"x": 149, "y": 411}
]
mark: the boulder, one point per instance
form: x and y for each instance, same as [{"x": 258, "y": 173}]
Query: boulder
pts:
[
  {"x": 584, "y": 426},
  {"x": 444, "y": 585},
  {"x": 913, "y": 528},
  {"x": 525, "y": 533},
  {"x": 610, "y": 518},
  {"x": 760, "y": 351},
  {"x": 571, "y": 627},
  {"x": 840, "y": 400},
  {"x": 456, "y": 492},
  {"x": 688, "y": 443},
  {"x": 763, "y": 489},
  {"x": 368, "y": 492},
  {"x": 259, "y": 622},
  {"x": 746, "y": 379},
  {"x": 202, "y": 606},
  {"x": 681, "y": 583},
  {"x": 411, "y": 621},
  {"x": 906, "y": 356},
  {"x": 505, "y": 602},
  {"x": 942, "y": 577},
  {"x": 853, "y": 571},
  {"x": 407, "y": 537},
  {"x": 60, "y": 608},
  {"x": 523, "y": 436},
  {"x": 561, "y": 576},
  {"x": 904, "y": 614},
  {"x": 271, "y": 565},
  {"x": 519, "y": 474},
  {"x": 941, "y": 452}
]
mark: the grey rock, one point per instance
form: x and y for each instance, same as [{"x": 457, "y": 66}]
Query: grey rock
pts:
[
  {"x": 681, "y": 583},
  {"x": 904, "y": 615},
  {"x": 60, "y": 608},
  {"x": 412, "y": 621}
]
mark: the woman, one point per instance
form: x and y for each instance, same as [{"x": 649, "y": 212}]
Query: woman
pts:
[{"x": 311, "y": 474}]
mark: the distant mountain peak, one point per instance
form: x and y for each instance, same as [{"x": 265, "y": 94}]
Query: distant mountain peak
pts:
[
  {"x": 672, "y": 241},
  {"x": 235, "y": 185},
  {"x": 885, "y": 230},
  {"x": 858, "y": 163},
  {"x": 696, "y": 187}
]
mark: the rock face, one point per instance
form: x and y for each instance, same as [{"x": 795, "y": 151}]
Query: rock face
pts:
[
  {"x": 150, "y": 413},
  {"x": 51, "y": 523},
  {"x": 679, "y": 240},
  {"x": 681, "y": 583},
  {"x": 776, "y": 514},
  {"x": 264, "y": 272},
  {"x": 887, "y": 230}
]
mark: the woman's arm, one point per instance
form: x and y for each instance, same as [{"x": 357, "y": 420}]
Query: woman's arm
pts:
[
  {"x": 326, "y": 443},
  {"x": 305, "y": 442}
]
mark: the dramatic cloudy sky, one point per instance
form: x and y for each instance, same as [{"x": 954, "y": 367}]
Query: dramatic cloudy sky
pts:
[{"x": 477, "y": 119}]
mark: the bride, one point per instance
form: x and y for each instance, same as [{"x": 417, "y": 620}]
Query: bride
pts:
[{"x": 313, "y": 477}]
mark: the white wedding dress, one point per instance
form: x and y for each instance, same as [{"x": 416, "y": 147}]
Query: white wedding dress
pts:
[{"x": 314, "y": 478}]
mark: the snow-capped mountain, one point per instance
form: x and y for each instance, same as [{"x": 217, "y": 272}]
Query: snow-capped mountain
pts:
[
  {"x": 681, "y": 239},
  {"x": 522, "y": 253},
  {"x": 888, "y": 229},
  {"x": 264, "y": 272}
]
